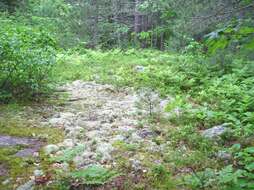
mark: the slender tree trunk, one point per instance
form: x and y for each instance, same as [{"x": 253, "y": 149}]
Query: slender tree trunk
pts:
[
  {"x": 136, "y": 21},
  {"x": 96, "y": 22}
]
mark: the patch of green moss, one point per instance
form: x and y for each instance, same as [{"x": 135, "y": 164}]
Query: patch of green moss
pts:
[
  {"x": 51, "y": 135},
  {"x": 16, "y": 167},
  {"x": 124, "y": 146},
  {"x": 20, "y": 126}
]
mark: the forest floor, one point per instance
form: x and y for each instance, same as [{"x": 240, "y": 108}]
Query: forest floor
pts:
[
  {"x": 103, "y": 126},
  {"x": 116, "y": 120}
]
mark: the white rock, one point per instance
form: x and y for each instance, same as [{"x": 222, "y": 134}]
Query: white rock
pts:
[
  {"x": 7, "y": 181},
  {"x": 126, "y": 129},
  {"x": 49, "y": 149},
  {"x": 55, "y": 121},
  {"x": 59, "y": 122},
  {"x": 62, "y": 166},
  {"x": 163, "y": 105},
  {"x": 104, "y": 149},
  {"x": 89, "y": 125},
  {"x": 117, "y": 138},
  {"x": 215, "y": 132},
  {"x": 140, "y": 68},
  {"x": 224, "y": 155},
  {"x": 75, "y": 132},
  {"x": 38, "y": 173},
  {"x": 69, "y": 143},
  {"x": 94, "y": 135},
  {"x": 88, "y": 155},
  {"x": 78, "y": 160},
  {"x": 136, "y": 138},
  {"x": 27, "y": 186},
  {"x": 67, "y": 115},
  {"x": 136, "y": 164}
]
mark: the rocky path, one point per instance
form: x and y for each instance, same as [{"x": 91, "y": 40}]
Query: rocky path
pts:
[
  {"x": 103, "y": 126},
  {"x": 99, "y": 117}
]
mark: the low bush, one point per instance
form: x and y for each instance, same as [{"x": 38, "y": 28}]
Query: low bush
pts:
[{"x": 26, "y": 58}]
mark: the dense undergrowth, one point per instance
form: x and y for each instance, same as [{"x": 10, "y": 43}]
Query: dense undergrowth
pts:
[
  {"x": 206, "y": 95},
  {"x": 27, "y": 55}
]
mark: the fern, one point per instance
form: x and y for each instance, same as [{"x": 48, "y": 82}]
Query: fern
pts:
[
  {"x": 69, "y": 154},
  {"x": 94, "y": 175}
]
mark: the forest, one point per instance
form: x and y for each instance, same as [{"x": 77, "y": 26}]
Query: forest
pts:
[{"x": 126, "y": 94}]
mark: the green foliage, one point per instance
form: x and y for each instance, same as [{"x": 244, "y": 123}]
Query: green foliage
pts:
[
  {"x": 161, "y": 178},
  {"x": 204, "y": 95},
  {"x": 69, "y": 154},
  {"x": 239, "y": 176},
  {"x": 27, "y": 56},
  {"x": 236, "y": 37},
  {"x": 57, "y": 16},
  {"x": 94, "y": 175}
]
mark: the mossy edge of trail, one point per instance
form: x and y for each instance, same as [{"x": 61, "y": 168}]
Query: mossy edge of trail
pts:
[{"x": 19, "y": 170}]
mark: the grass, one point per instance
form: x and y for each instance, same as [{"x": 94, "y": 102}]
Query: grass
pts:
[{"x": 17, "y": 167}]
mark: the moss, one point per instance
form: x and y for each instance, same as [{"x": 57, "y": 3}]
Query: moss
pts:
[
  {"x": 14, "y": 123},
  {"x": 50, "y": 135},
  {"x": 16, "y": 167},
  {"x": 122, "y": 146}
]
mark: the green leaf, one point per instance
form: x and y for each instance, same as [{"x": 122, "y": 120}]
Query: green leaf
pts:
[
  {"x": 236, "y": 147},
  {"x": 250, "y": 150},
  {"x": 69, "y": 154},
  {"x": 246, "y": 30},
  {"x": 250, "y": 167}
]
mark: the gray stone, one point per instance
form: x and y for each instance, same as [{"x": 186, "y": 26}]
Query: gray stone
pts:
[
  {"x": 140, "y": 68},
  {"x": 78, "y": 161},
  {"x": 7, "y": 181},
  {"x": 126, "y": 129},
  {"x": 87, "y": 154},
  {"x": 135, "y": 138},
  {"x": 215, "y": 132},
  {"x": 49, "y": 149},
  {"x": 89, "y": 125},
  {"x": 117, "y": 138},
  {"x": 144, "y": 133},
  {"x": 136, "y": 164},
  {"x": 104, "y": 149},
  {"x": 27, "y": 186},
  {"x": 62, "y": 166},
  {"x": 75, "y": 132},
  {"x": 163, "y": 104},
  {"x": 38, "y": 173},
  {"x": 94, "y": 135},
  {"x": 67, "y": 115},
  {"x": 58, "y": 122},
  {"x": 69, "y": 143},
  {"x": 13, "y": 141},
  {"x": 224, "y": 155}
]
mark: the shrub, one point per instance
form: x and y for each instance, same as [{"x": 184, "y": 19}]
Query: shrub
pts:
[{"x": 26, "y": 58}]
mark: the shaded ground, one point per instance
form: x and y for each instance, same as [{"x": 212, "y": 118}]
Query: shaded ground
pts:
[
  {"x": 31, "y": 145},
  {"x": 21, "y": 140}
]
